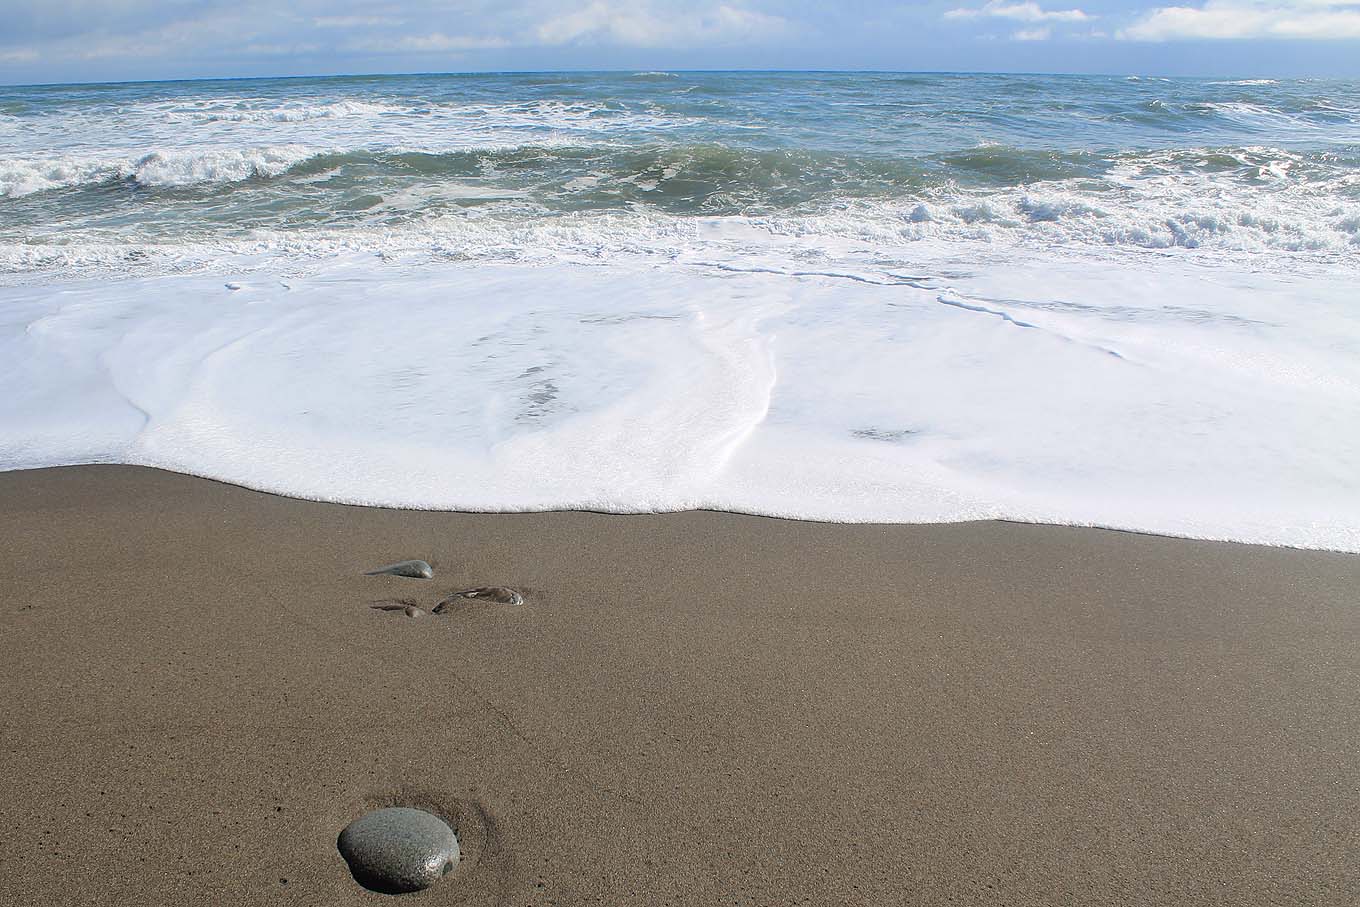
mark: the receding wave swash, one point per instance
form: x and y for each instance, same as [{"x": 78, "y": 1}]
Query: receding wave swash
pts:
[{"x": 852, "y": 297}]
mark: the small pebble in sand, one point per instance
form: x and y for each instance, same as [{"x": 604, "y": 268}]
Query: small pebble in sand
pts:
[
  {"x": 496, "y": 595},
  {"x": 405, "y": 606},
  {"x": 392, "y": 606},
  {"x": 398, "y": 849},
  {"x": 413, "y": 569}
]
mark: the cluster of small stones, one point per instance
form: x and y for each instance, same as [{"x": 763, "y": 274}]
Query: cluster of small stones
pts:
[
  {"x": 400, "y": 849},
  {"x": 416, "y": 569}
]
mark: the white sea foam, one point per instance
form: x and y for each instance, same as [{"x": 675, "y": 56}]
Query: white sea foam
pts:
[
  {"x": 171, "y": 167},
  {"x": 26, "y": 176},
  {"x": 226, "y": 165},
  {"x": 268, "y": 110},
  {"x": 1315, "y": 228},
  {"x": 1256, "y": 116},
  {"x": 1085, "y": 391}
]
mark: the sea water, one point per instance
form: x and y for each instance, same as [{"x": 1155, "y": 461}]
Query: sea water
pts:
[{"x": 1114, "y": 301}]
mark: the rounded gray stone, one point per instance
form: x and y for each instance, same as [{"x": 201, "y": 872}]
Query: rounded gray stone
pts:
[
  {"x": 398, "y": 849},
  {"x": 499, "y": 595},
  {"x": 413, "y": 569}
]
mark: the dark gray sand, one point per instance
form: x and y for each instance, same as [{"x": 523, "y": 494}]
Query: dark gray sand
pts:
[{"x": 694, "y": 709}]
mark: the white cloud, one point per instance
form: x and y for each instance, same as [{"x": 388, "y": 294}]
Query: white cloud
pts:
[
  {"x": 162, "y": 39},
  {"x": 435, "y": 42},
  {"x": 641, "y": 24},
  {"x": 1032, "y": 34},
  {"x": 1222, "y": 20},
  {"x": 355, "y": 21},
  {"x": 1019, "y": 12},
  {"x": 149, "y": 33},
  {"x": 265, "y": 49}
]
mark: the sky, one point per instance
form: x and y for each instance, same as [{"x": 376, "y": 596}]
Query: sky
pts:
[{"x": 43, "y": 41}]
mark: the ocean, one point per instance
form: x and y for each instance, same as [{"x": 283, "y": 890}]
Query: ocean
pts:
[{"x": 1126, "y": 302}]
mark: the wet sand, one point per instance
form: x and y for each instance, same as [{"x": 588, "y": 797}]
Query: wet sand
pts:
[{"x": 689, "y": 709}]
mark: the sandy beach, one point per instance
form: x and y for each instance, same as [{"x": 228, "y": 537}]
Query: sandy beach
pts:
[{"x": 689, "y": 709}]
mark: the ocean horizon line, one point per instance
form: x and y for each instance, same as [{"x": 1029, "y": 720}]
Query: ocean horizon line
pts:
[{"x": 337, "y": 76}]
